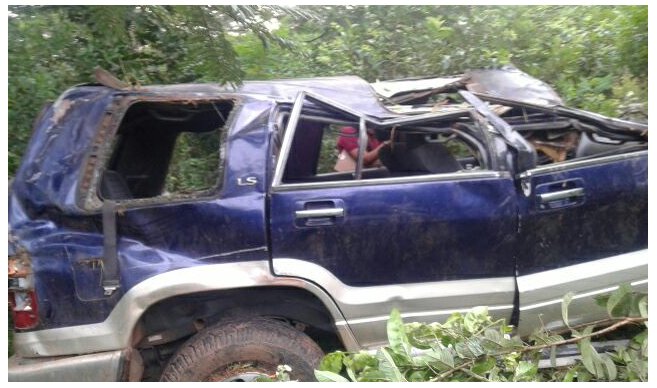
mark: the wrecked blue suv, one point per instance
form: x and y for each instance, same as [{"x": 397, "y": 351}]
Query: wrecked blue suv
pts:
[{"x": 489, "y": 192}]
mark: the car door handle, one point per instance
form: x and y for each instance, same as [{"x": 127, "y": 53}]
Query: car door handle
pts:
[
  {"x": 561, "y": 195},
  {"x": 319, "y": 213}
]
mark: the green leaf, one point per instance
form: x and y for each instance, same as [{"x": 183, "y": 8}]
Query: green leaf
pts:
[
  {"x": 554, "y": 339},
  {"x": 525, "y": 371},
  {"x": 388, "y": 367},
  {"x": 372, "y": 374},
  {"x": 470, "y": 348},
  {"x": 418, "y": 376},
  {"x": 583, "y": 376},
  {"x": 482, "y": 367},
  {"x": 543, "y": 338},
  {"x": 330, "y": 377},
  {"x": 355, "y": 363},
  {"x": 570, "y": 376},
  {"x": 507, "y": 329},
  {"x": 494, "y": 374},
  {"x": 495, "y": 337},
  {"x": 643, "y": 306},
  {"x": 361, "y": 360},
  {"x": 616, "y": 297},
  {"x": 564, "y": 306},
  {"x": 421, "y": 336},
  {"x": 397, "y": 335},
  {"x": 443, "y": 356},
  {"x": 644, "y": 347},
  {"x": 589, "y": 355},
  {"x": 332, "y": 362},
  {"x": 610, "y": 367},
  {"x": 639, "y": 338},
  {"x": 470, "y": 322},
  {"x": 351, "y": 373}
]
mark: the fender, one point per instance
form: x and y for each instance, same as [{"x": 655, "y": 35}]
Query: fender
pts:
[{"x": 116, "y": 331}]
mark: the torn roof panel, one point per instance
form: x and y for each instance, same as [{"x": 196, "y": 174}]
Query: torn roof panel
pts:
[
  {"x": 511, "y": 83},
  {"x": 392, "y": 88},
  {"x": 351, "y": 91},
  {"x": 506, "y": 82}
]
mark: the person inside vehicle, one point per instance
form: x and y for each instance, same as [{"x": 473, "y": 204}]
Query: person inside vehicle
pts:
[{"x": 347, "y": 146}]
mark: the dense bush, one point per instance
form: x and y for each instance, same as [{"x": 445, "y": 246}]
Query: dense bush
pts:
[{"x": 595, "y": 56}]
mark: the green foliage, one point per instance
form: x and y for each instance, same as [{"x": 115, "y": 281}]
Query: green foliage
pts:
[
  {"x": 54, "y": 47},
  {"x": 555, "y": 43},
  {"x": 596, "y": 57},
  {"x": 195, "y": 162},
  {"x": 474, "y": 347}
]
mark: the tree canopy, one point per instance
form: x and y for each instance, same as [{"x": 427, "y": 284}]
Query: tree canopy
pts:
[{"x": 595, "y": 56}]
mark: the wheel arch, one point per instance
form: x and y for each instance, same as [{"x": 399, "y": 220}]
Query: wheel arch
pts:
[
  {"x": 122, "y": 328},
  {"x": 180, "y": 316}
]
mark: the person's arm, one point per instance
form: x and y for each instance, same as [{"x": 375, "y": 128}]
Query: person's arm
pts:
[{"x": 370, "y": 157}]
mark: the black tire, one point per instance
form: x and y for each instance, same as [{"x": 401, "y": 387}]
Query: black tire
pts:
[{"x": 242, "y": 350}]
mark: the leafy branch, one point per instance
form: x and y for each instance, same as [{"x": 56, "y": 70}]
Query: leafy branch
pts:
[
  {"x": 474, "y": 347},
  {"x": 606, "y": 330}
]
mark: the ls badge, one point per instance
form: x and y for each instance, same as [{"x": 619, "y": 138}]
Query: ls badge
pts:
[{"x": 247, "y": 181}]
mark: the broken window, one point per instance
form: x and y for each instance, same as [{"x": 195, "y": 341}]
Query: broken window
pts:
[
  {"x": 572, "y": 135},
  {"x": 166, "y": 149},
  {"x": 429, "y": 147},
  {"x": 531, "y": 108}
]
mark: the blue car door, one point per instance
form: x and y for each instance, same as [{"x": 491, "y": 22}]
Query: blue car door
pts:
[
  {"x": 428, "y": 244},
  {"x": 583, "y": 229}
]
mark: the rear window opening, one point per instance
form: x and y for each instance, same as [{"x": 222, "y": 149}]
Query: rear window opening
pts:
[{"x": 167, "y": 149}]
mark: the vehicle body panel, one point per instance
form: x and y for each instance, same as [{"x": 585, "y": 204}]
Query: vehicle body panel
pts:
[
  {"x": 115, "y": 332},
  {"x": 401, "y": 233},
  {"x": 97, "y": 367},
  {"x": 542, "y": 293},
  {"x": 366, "y": 309},
  {"x": 67, "y": 246},
  {"x": 608, "y": 218}
]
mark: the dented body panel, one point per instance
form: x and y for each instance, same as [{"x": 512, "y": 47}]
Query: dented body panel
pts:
[
  {"x": 499, "y": 193},
  {"x": 608, "y": 192},
  {"x": 427, "y": 227}
]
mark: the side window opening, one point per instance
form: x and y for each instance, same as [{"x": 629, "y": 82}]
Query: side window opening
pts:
[
  {"x": 430, "y": 148},
  {"x": 166, "y": 149}
]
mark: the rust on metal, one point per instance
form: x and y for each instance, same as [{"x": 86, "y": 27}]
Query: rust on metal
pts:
[{"x": 19, "y": 265}]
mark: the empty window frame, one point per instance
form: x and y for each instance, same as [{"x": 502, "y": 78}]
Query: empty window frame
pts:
[
  {"x": 419, "y": 149},
  {"x": 564, "y": 134},
  {"x": 167, "y": 149}
]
